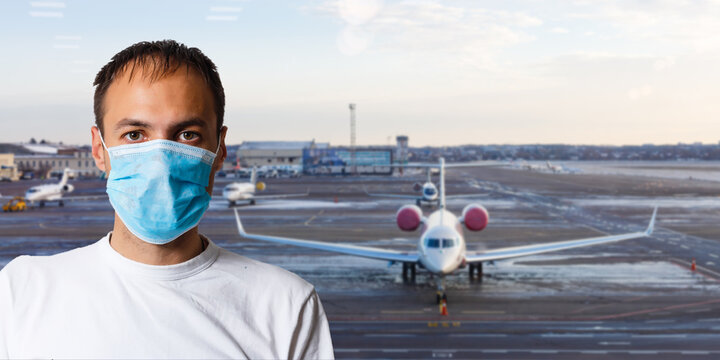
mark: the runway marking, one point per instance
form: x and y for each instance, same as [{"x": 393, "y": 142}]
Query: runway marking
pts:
[
  {"x": 594, "y": 352},
  {"x": 543, "y": 351},
  {"x": 655, "y": 310},
  {"x": 695, "y": 352},
  {"x": 402, "y": 312},
  {"x": 698, "y": 310},
  {"x": 569, "y": 335},
  {"x": 653, "y": 336},
  {"x": 715, "y": 256},
  {"x": 592, "y": 307},
  {"x": 307, "y": 223},
  {"x": 642, "y": 352},
  {"x": 485, "y": 312},
  {"x": 710, "y": 263},
  {"x": 395, "y": 350},
  {"x": 709, "y": 320},
  {"x": 494, "y": 351},
  {"x": 685, "y": 247},
  {"x": 478, "y": 335},
  {"x": 390, "y": 335},
  {"x": 659, "y": 321},
  {"x": 612, "y": 343}
]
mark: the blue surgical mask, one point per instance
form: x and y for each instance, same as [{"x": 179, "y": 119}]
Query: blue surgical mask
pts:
[{"x": 157, "y": 187}]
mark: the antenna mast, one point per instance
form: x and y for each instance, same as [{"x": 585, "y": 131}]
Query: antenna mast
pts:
[{"x": 353, "y": 160}]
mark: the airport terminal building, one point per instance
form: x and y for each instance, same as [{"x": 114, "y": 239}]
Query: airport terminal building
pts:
[{"x": 318, "y": 158}]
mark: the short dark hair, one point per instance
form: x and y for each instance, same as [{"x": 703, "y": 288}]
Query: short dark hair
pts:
[{"x": 161, "y": 58}]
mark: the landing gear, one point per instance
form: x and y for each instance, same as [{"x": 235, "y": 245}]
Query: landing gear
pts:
[
  {"x": 476, "y": 272},
  {"x": 252, "y": 202},
  {"x": 231, "y": 204},
  {"x": 418, "y": 203},
  {"x": 440, "y": 295},
  {"x": 42, "y": 204},
  {"x": 408, "y": 273},
  {"x": 61, "y": 204}
]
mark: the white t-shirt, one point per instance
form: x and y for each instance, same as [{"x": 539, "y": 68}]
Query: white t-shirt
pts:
[{"x": 92, "y": 302}]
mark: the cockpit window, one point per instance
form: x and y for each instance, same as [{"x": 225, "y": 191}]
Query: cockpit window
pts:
[
  {"x": 429, "y": 191},
  {"x": 30, "y": 191},
  {"x": 448, "y": 243},
  {"x": 433, "y": 243}
]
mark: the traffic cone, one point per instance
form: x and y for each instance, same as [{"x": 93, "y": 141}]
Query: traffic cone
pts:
[
  {"x": 693, "y": 267},
  {"x": 443, "y": 308}
]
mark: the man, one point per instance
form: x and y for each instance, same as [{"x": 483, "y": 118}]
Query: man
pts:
[{"x": 154, "y": 287}]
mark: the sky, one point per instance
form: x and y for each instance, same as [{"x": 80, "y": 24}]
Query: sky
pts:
[{"x": 443, "y": 72}]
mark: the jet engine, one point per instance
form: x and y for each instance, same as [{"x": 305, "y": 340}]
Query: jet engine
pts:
[
  {"x": 67, "y": 188},
  {"x": 260, "y": 186},
  {"x": 409, "y": 218},
  {"x": 475, "y": 217}
]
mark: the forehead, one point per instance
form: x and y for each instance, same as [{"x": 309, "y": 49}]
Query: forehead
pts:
[{"x": 152, "y": 92}]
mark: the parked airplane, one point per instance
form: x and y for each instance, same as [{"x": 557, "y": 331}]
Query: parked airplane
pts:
[
  {"x": 55, "y": 192},
  {"x": 429, "y": 191},
  {"x": 245, "y": 191},
  {"x": 441, "y": 247}
]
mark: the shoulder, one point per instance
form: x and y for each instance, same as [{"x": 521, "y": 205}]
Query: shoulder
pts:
[
  {"x": 264, "y": 277},
  {"x": 31, "y": 268}
]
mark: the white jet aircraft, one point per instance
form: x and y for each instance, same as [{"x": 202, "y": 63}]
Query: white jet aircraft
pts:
[
  {"x": 441, "y": 247},
  {"x": 55, "y": 192},
  {"x": 245, "y": 191},
  {"x": 429, "y": 191}
]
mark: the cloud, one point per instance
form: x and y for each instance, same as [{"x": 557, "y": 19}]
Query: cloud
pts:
[
  {"x": 641, "y": 92},
  {"x": 66, "y": 46},
  {"x": 225, "y": 9},
  {"x": 664, "y": 63},
  {"x": 221, "y": 18},
  {"x": 559, "y": 30},
  {"x": 46, "y": 14},
  {"x": 467, "y": 35},
  {"x": 48, "y": 4},
  {"x": 68, "y": 37}
]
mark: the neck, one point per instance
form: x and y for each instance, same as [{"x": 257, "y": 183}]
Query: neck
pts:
[{"x": 182, "y": 249}]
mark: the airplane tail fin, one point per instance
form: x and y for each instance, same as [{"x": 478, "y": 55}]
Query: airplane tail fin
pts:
[
  {"x": 442, "y": 183},
  {"x": 253, "y": 175},
  {"x": 65, "y": 176}
]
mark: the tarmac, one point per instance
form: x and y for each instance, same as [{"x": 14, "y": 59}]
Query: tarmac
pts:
[{"x": 635, "y": 299}]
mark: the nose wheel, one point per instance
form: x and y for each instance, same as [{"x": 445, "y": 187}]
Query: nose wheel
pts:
[{"x": 440, "y": 295}]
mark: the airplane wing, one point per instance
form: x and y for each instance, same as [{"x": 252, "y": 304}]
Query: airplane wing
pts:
[
  {"x": 527, "y": 250},
  {"x": 279, "y": 196},
  {"x": 464, "y": 196},
  {"x": 397, "y": 196},
  {"x": 84, "y": 198},
  {"x": 362, "y": 251}
]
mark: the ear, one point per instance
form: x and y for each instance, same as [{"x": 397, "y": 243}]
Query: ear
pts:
[
  {"x": 222, "y": 151},
  {"x": 98, "y": 151}
]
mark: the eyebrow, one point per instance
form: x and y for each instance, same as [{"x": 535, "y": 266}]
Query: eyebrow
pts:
[
  {"x": 131, "y": 122},
  {"x": 194, "y": 121}
]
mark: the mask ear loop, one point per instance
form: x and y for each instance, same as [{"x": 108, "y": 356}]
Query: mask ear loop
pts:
[{"x": 101, "y": 139}]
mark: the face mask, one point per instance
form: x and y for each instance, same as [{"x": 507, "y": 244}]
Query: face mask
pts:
[{"x": 158, "y": 187}]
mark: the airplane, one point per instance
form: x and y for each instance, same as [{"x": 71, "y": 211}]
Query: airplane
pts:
[
  {"x": 441, "y": 247},
  {"x": 428, "y": 191},
  {"x": 245, "y": 191},
  {"x": 55, "y": 192},
  {"x": 559, "y": 169}
]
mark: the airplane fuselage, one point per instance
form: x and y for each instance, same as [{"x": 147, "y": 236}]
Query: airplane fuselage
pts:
[
  {"x": 442, "y": 245},
  {"x": 239, "y": 191}
]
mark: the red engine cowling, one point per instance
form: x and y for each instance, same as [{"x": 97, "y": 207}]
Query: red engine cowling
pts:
[
  {"x": 475, "y": 217},
  {"x": 409, "y": 218}
]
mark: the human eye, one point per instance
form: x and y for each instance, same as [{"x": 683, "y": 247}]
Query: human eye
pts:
[
  {"x": 189, "y": 136},
  {"x": 133, "y": 136}
]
